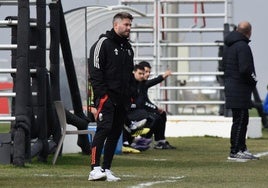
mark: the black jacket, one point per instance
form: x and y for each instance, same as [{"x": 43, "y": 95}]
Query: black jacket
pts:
[
  {"x": 239, "y": 71},
  {"x": 142, "y": 101},
  {"x": 110, "y": 68}
]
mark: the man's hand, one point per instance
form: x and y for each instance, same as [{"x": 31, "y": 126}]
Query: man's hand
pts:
[{"x": 166, "y": 74}]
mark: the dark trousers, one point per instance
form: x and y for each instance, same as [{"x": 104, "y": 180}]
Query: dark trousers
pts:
[
  {"x": 109, "y": 129},
  {"x": 239, "y": 130},
  {"x": 157, "y": 125}
]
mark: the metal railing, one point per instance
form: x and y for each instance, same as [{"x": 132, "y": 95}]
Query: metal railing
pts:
[
  {"x": 15, "y": 2},
  {"x": 157, "y": 11},
  {"x": 7, "y": 24}
]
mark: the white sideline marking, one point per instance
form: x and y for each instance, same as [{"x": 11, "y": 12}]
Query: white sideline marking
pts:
[
  {"x": 261, "y": 154},
  {"x": 148, "y": 184},
  {"x": 43, "y": 175},
  {"x": 160, "y": 159}
]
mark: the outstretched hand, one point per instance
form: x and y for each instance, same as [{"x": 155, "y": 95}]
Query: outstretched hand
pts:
[{"x": 167, "y": 73}]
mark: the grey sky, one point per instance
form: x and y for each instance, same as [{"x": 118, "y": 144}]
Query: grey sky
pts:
[
  {"x": 256, "y": 13},
  {"x": 252, "y": 11}
]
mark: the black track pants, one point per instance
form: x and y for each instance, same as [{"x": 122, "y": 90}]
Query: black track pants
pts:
[
  {"x": 239, "y": 130},
  {"x": 109, "y": 129}
]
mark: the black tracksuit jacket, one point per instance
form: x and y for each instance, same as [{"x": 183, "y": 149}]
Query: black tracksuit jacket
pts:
[
  {"x": 110, "y": 68},
  {"x": 142, "y": 101}
]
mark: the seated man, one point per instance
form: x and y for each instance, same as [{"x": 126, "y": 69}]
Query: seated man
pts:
[{"x": 157, "y": 115}]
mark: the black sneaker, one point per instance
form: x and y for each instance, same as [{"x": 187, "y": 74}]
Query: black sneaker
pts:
[
  {"x": 164, "y": 145},
  {"x": 239, "y": 157},
  {"x": 169, "y": 146},
  {"x": 253, "y": 157}
]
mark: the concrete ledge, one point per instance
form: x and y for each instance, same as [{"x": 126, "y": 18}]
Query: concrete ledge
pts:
[{"x": 179, "y": 126}]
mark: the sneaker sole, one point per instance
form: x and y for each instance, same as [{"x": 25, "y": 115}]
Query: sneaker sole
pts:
[
  {"x": 101, "y": 178},
  {"x": 130, "y": 150},
  {"x": 237, "y": 160},
  {"x": 160, "y": 148}
]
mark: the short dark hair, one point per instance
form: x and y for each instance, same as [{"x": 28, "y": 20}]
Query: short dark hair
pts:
[
  {"x": 138, "y": 67},
  {"x": 145, "y": 64},
  {"x": 122, "y": 15}
]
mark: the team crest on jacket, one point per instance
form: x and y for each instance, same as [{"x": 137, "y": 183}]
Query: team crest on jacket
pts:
[{"x": 115, "y": 51}]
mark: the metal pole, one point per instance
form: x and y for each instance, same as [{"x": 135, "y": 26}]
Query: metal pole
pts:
[
  {"x": 41, "y": 77},
  {"x": 23, "y": 110},
  {"x": 86, "y": 64}
]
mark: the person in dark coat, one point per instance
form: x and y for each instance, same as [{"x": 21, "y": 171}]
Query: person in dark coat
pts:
[
  {"x": 110, "y": 69},
  {"x": 240, "y": 80}
]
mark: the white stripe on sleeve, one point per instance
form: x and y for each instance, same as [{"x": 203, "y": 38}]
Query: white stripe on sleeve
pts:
[{"x": 97, "y": 52}]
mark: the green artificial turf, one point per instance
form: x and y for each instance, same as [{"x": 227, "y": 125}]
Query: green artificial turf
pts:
[{"x": 197, "y": 162}]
